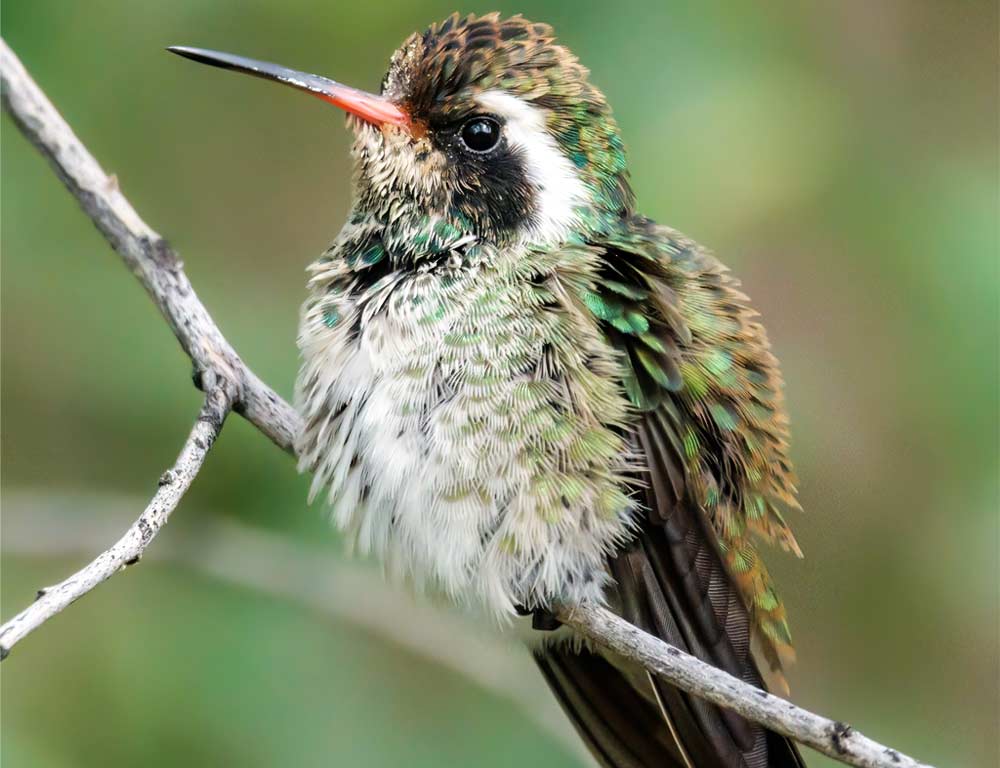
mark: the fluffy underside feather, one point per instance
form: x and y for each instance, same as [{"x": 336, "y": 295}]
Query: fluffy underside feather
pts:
[{"x": 453, "y": 415}]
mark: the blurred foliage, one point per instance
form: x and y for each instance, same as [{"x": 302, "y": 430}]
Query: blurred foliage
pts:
[{"x": 840, "y": 155}]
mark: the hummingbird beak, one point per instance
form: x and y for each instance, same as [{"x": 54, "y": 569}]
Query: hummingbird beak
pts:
[{"x": 369, "y": 107}]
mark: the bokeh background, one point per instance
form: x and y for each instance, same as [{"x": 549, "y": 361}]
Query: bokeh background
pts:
[{"x": 840, "y": 155}]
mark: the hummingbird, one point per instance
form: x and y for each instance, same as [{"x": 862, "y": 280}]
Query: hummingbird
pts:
[{"x": 519, "y": 393}]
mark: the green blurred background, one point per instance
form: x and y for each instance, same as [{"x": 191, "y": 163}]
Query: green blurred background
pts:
[{"x": 840, "y": 156}]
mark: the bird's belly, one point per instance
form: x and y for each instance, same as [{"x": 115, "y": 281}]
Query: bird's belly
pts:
[
  {"x": 426, "y": 454},
  {"x": 446, "y": 448}
]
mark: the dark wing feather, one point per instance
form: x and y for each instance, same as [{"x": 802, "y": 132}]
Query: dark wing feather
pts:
[
  {"x": 689, "y": 600},
  {"x": 621, "y": 728},
  {"x": 674, "y": 581}
]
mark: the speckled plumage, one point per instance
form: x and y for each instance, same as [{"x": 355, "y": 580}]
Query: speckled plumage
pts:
[
  {"x": 517, "y": 391},
  {"x": 448, "y": 437}
]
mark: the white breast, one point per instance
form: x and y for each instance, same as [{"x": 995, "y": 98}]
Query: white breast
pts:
[
  {"x": 443, "y": 436},
  {"x": 415, "y": 451}
]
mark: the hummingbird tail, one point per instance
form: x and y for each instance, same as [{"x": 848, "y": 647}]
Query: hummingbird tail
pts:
[
  {"x": 629, "y": 719},
  {"x": 621, "y": 728}
]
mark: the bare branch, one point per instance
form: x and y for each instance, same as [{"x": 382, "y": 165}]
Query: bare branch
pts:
[
  {"x": 148, "y": 255},
  {"x": 41, "y": 523},
  {"x": 835, "y": 739},
  {"x": 173, "y": 484},
  {"x": 159, "y": 269}
]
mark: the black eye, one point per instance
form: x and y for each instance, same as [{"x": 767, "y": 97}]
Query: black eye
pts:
[{"x": 481, "y": 134}]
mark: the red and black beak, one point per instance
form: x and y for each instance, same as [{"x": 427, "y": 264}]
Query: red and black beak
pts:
[{"x": 369, "y": 107}]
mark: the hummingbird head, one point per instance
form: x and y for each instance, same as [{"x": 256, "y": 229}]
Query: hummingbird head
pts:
[{"x": 486, "y": 124}]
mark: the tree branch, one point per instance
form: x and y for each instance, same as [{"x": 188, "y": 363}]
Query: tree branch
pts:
[
  {"x": 160, "y": 271},
  {"x": 148, "y": 255},
  {"x": 833, "y": 738},
  {"x": 41, "y": 523},
  {"x": 128, "y": 549}
]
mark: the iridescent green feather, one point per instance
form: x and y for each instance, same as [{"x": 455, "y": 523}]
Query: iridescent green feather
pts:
[{"x": 694, "y": 352}]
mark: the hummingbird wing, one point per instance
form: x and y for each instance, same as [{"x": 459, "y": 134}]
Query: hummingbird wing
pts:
[{"x": 713, "y": 439}]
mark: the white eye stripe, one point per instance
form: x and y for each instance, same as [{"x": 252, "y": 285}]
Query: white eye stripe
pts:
[{"x": 560, "y": 191}]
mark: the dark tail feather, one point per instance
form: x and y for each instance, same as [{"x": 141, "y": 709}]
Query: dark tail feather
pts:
[
  {"x": 629, "y": 719},
  {"x": 622, "y": 728},
  {"x": 625, "y": 727}
]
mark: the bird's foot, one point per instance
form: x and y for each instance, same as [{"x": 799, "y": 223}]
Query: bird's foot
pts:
[{"x": 541, "y": 619}]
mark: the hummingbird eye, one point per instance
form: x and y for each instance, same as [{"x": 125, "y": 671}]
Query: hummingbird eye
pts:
[{"x": 480, "y": 134}]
